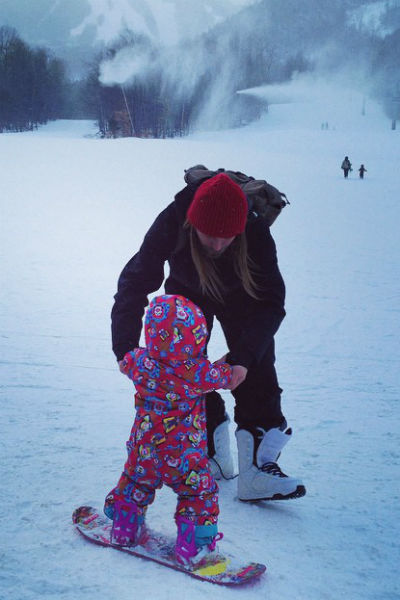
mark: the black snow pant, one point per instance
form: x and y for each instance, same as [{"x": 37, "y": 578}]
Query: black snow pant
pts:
[{"x": 257, "y": 399}]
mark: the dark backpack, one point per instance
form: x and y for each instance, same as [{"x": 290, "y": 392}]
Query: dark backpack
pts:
[{"x": 264, "y": 199}]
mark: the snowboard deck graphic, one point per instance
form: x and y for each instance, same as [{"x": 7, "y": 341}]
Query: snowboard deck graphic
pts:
[{"x": 96, "y": 527}]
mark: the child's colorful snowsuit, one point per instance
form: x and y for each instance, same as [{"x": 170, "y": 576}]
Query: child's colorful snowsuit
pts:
[{"x": 168, "y": 441}]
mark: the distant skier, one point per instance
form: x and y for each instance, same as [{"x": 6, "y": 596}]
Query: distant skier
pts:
[
  {"x": 361, "y": 171},
  {"x": 346, "y": 166}
]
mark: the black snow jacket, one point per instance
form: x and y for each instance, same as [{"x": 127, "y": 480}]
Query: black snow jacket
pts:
[{"x": 167, "y": 241}]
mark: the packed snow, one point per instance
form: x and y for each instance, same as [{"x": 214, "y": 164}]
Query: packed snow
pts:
[{"x": 74, "y": 210}]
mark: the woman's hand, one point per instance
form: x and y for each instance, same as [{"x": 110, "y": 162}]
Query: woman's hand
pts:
[
  {"x": 238, "y": 376},
  {"x": 123, "y": 366}
]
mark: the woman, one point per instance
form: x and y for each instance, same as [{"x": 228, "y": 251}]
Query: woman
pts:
[{"x": 224, "y": 260}]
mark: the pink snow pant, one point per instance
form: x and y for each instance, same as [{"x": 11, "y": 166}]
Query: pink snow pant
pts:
[{"x": 171, "y": 449}]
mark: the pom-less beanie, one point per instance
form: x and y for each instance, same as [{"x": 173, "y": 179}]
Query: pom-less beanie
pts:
[{"x": 219, "y": 208}]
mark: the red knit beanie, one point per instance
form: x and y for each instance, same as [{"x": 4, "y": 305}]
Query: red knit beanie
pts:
[{"x": 219, "y": 207}]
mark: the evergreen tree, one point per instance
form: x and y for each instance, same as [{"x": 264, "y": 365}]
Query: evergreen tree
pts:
[{"x": 32, "y": 84}]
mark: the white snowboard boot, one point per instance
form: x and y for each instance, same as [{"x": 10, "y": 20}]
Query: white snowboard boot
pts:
[
  {"x": 221, "y": 464},
  {"x": 265, "y": 481}
]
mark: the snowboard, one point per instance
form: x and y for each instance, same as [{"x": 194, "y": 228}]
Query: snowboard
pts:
[{"x": 154, "y": 546}]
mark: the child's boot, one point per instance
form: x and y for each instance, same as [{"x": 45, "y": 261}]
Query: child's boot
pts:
[
  {"x": 128, "y": 521},
  {"x": 196, "y": 545}
]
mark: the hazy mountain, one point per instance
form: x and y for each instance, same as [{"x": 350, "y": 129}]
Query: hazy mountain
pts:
[
  {"x": 75, "y": 29},
  {"x": 49, "y": 23}
]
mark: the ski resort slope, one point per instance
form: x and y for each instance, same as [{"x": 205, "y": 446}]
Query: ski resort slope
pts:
[{"x": 74, "y": 210}]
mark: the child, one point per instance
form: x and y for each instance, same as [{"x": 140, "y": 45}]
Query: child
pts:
[
  {"x": 361, "y": 171},
  {"x": 168, "y": 441}
]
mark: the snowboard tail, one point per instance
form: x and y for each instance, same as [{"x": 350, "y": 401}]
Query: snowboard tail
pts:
[{"x": 222, "y": 570}]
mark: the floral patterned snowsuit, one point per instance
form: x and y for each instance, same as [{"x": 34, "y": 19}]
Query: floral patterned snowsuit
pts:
[{"x": 168, "y": 441}]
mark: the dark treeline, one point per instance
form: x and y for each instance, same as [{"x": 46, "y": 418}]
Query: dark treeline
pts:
[
  {"x": 158, "y": 102},
  {"x": 34, "y": 87},
  {"x": 167, "y": 100},
  {"x": 154, "y": 107},
  {"x": 32, "y": 84}
]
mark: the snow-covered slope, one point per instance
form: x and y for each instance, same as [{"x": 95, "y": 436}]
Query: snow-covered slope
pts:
[{"x": 74, "y": 210}]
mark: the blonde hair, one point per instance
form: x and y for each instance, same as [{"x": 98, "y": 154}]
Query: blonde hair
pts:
[{"x": 210, "y": 282}]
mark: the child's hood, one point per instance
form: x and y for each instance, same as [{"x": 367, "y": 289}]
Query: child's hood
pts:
[{"x": 175, "y": 329}]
